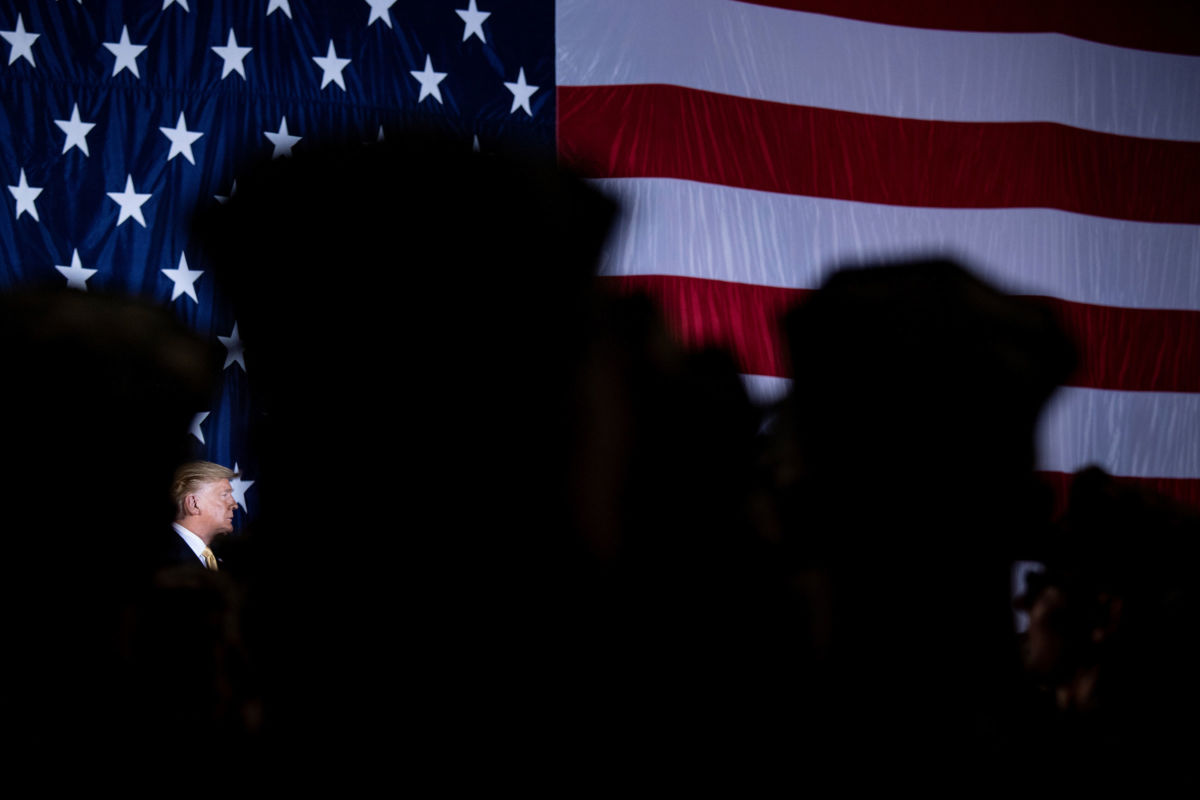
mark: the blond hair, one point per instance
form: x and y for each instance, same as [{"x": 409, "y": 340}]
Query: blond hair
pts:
[{"x": 191, "y": 476}]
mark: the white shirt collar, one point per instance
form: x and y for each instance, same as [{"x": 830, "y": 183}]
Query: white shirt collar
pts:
[{"x": 193, "y": 541}]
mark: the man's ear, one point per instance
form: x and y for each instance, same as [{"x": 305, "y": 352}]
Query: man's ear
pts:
[{"x": 190, "y": 504}]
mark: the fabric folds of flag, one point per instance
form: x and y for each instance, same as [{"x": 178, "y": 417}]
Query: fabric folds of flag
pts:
[
  {"x": 756, "y": 146},
  {"x": 119, "y": 119}
]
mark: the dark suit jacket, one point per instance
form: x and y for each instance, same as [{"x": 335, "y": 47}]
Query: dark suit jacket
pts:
[{"x": 173, "y": 551}]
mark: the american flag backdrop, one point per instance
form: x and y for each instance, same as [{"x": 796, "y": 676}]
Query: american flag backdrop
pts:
[{"x": 1053, "y": 147}]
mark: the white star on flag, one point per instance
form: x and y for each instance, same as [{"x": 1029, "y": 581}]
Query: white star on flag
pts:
[
  {"x": 126, "y": 53},
  {"x": 25, "y": 195},
  {"x": 76, "y": 274},
  {"x": 236, "y": 351},
  {"x": 181, "y": 139},
  {"x": 283, "y": 141},
  {"x": 279, "y": 5},
  {"x": 180, "y": 2},
  {"x": 331, "y": 67},
  {"x": 429, "y": 81},
  {"x": 232, "y": 56},
  {"x": 379, "y": 10},
  {"x": 224, "y": 198},
  {"x": 239, "y": 487},
  {"x": 521, "y": 93},
  {"x": 22, "y": 42},
  {"x": 473, "y": 18},
  {"x": 197, "y": 420},
  {"x": 76, "y": 131},
  {"x": 184, "y": 279},
  {"x": 130, "y": 202}
]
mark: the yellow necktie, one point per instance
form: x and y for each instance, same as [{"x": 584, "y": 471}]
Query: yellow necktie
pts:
[{"x": 210, "y": 560}]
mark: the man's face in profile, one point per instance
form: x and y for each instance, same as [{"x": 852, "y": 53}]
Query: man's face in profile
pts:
[{"x": 216, "y": 503}]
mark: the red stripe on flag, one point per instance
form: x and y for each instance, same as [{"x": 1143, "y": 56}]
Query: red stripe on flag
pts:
[
  {"x": 1168, "y": 26},
  {"x": 674, "y": 132},
  {"x": 1121, "y": 348},
  {"x": 743, "y": 318},
  {"x": 1133, "y": 348}
]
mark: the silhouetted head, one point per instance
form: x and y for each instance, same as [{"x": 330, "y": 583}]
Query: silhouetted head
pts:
[
  {"x": 915, "y": 379},
  {"x": 408, "y": 302},
  {"x": 104, "y": 389}
]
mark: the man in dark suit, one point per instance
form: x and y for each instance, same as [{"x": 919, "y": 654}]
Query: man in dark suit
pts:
[{"x": 204, "y": 507}]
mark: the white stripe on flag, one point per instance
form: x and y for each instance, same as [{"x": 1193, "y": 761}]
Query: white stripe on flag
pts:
[
  {"x": 1143, "y": 434},
  {"x": 764, "y": 390},
  {"x": 700, "y": 230},
  {"x": 829, "y": 62}
]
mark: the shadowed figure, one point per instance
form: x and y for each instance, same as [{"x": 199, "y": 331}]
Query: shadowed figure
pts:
[
  {"x": 498, "y": 511},
  {"x": 413, "y": 316},
  {"x": 907, "y": 484},
  {"x": 98, "y": 399},
  {"x": 1111, "y": 650}
]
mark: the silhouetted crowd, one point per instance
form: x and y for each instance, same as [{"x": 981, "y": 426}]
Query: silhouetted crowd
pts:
[{"x": 509, "y": 533}]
